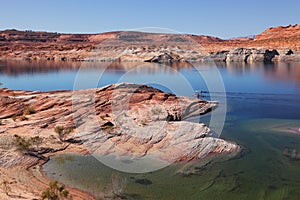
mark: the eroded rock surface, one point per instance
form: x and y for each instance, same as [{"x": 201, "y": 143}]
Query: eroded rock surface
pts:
[
  {"x": 120, "y": 120},
  {"x": 128, "y": 119},
  {"x": 250, "y": 55}
]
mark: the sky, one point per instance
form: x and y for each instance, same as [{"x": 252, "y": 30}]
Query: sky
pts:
[{"x": 220, "y": 18}]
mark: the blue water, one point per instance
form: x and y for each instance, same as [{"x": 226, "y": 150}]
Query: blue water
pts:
[
  {"x": 263, "y": 116},
  {"x": 49, "y": 75},
  {"x": 258, "y": 90}
]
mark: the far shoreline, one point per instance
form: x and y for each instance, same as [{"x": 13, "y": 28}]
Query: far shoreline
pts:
[
  {"x": 274, "y": 44},
  {"x": 191, "y": 62}
]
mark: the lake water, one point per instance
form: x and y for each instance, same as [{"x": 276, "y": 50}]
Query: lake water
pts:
[{"x": 263, "y": 116}]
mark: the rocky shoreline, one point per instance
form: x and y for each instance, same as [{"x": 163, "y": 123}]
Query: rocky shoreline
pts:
[
  {"x": 251, "y": 55},
  {"x": 36, "y": 125}
]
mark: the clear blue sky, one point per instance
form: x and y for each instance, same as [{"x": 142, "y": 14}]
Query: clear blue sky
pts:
[{"x": 219, "y": 18}]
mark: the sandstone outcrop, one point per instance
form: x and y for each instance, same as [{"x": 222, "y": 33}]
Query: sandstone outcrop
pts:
[{"x": 139, "y": 128}]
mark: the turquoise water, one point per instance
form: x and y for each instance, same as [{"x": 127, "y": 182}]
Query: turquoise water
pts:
[
  {"x": 261, "y": 171},
  {"x": 263, "y": 116}
]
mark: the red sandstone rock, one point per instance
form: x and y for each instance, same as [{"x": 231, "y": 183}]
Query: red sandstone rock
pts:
[
  {"x": 131, "y": 118},
  {"x": 136, "y": 46}
]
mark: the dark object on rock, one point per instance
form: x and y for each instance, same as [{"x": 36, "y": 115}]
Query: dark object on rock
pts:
[
  {"x": 173, "y": 115},
  {"x": 37, "y": 155},
  {"x": 169, "y": 118},
  {"x": 74, "y": 141},
  {"x": 269, "y": 55},
  {"x": 44, "y": 125},
  {"x": 143, "y": 181},
  {"x": 289, "y": 52},
  {"x": 107, "y": 125}
]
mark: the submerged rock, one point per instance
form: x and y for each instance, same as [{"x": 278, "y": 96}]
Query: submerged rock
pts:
[
  {"x": 143, "y": 181},
  {"x": 291, "y": 153}
]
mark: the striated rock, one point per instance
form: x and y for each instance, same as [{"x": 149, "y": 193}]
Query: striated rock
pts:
[
  {"x": 120, "y": 120},
  {"x": 130, "y": 119}
]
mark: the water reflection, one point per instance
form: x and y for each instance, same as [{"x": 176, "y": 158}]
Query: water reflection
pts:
[
  {"x": 54, "y": 75},
  {"x": 276, "y": 71},
  {"x": 19, "y": 67},
  {"x": 283, "y": 71}
]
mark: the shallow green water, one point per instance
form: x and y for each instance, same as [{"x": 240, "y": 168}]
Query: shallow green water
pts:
[{"x": 261, "y": 171}]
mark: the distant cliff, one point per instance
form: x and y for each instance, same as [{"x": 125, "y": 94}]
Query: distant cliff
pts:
[{"x": 274, "y": 44}]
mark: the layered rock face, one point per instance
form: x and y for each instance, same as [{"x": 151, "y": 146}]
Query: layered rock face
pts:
[
  {"x": 250, "y": 55},
  {"x": 274, "y": 44},
  {"x": 123, "y": 119},
  {"x": 156, "y": 47}
]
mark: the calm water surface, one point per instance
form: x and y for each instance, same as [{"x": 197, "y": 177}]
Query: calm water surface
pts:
[{"x": 263, "y": 116}]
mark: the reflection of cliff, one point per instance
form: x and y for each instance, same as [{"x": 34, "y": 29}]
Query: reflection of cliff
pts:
[
  {"x": 283, "y": 71},
  {"x": 126, "y": 66},
  {"x": 275, "y": 71},
  {"x": 17, "y": 67}
]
